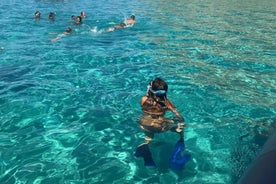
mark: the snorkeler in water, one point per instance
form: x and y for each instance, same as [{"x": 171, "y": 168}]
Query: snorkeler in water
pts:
[
  {"x": 66, "y": 32},
  {"x": 154, "y": 106},
  {"x": 78, "y": 20}
]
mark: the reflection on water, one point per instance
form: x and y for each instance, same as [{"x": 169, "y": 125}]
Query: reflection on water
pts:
[{"x": 228, "y": 45}]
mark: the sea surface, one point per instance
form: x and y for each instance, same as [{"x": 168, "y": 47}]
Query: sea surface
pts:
[{"x": 69, "y": 108}]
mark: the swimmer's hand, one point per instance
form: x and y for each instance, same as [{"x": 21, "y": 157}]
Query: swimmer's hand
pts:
[{"x": 180, "y": 127}]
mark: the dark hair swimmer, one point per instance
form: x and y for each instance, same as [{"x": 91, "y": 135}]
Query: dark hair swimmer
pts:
[
  {"x": 131, "y": 20},
  {"x": 37, "y": 14},
  {"x": 66, "y": 32},
  {"x": 119, "y": 26},
  {"x": 154, "y": 106},
  {"x": 73, "y": 17},
  {"x": 78, "y": 20},
  {"x": 52, "y": 16}
]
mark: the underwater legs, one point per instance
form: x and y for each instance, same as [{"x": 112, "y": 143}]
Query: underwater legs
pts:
[{"x": 144, "y": 151}]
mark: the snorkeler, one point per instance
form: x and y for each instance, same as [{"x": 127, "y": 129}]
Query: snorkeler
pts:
[
  {"x": 66, "y": 32},
  {"x": 154, "y": 106}
]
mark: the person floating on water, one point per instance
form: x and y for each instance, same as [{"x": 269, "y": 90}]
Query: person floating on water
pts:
[
  {"x": 119, "y": 26},
  {"x": 78, "y": 20},
  {"x": 126, "y": 23},
  {"x": 154, "y": 106},
  {"x": 66, "y": 32},
  {"x": 131, "y": 20}
]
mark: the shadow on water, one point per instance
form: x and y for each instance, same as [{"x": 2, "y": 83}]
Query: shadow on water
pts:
[{"x": 249, "y": 146}]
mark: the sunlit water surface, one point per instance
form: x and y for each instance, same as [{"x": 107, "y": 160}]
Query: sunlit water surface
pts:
[{"x": 69, "y": 108}]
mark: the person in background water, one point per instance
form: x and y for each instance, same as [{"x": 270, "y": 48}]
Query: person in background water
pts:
[
  {"x": 131, "y": 20},
  {"x": 51, "y": 16},
  {"x": 66, "y": 32},
  {"x": 83, "y": 15},
  {"x": 78, "y": 20},
  {"x": 119, "y": 26},
  {"x": 154, "y": 106},
  {"x": 37, "y": 15},
  {"x": 73, "y": 17}
]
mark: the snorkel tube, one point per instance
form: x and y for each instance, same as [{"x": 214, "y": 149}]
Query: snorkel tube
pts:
[{"x": 263, "y": 169}]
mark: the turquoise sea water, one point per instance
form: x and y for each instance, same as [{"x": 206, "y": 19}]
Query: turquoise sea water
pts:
[{"x": 69, "y": 108}]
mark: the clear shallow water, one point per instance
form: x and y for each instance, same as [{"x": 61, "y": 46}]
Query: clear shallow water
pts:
[{"x": 69, "y": 109}]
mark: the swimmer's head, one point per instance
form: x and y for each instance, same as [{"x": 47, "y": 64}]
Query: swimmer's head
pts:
[
  {"x": 69, "y": 30},
  {"x": 37, "y": 14},
  {"x": 83, "y": 15},
  {"x": 78, "y": 19},
  {"x": 132, "y": 17},
  {"x": 52, "y": 16},
  {"x": 158, "y": 87}
]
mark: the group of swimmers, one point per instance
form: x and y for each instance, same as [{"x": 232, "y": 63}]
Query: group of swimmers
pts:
[
  {"x": 52, "y": 15},
  {"x": 154, "y": 104},
  {"x": 78, "y": 21}
]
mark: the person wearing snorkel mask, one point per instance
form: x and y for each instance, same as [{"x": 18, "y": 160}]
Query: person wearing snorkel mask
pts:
[{"x": 154, "y": 106}]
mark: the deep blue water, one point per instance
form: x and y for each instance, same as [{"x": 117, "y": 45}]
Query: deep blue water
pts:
[{"x": 69, "y": 108}]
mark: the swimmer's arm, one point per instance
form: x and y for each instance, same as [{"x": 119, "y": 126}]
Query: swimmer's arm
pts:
[
  {"x": 55, "y": 39},
  {"x": 180, "y": 117},
  {"x": 144, "y": 98},
  {"x": 59, "y": 37},
  {"x": 174, "y": 110}
]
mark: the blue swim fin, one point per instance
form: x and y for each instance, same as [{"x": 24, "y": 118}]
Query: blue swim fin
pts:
[
  {"x": 144, "y": 151},
  {"x": 177, "y": 160}
]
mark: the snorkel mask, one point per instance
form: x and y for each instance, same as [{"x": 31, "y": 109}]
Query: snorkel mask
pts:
[{"x": 160, "y": 92}]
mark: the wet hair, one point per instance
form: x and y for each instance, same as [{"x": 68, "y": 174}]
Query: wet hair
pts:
[
  {"x": 79, "y": 17},
  {"x": 37, "y": 13},
  {"x": 132, "y": 17},
  {"x": 51, "y": 15},
  {"x": 157, "y": 85}
]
